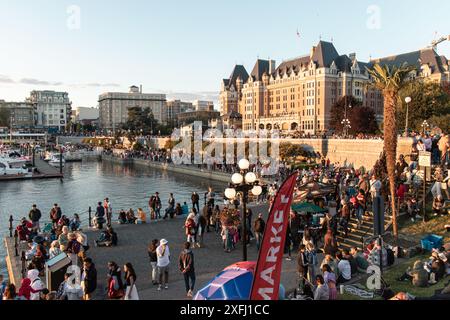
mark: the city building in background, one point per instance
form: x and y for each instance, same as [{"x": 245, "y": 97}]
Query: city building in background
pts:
[
  {"x": 199, "y": 105},
  {"x": 174, "y": 108},
  {"x": 113, "y": 106},
  {"x": 85, "y": 116},
  {"x": 298, "y": 94},
  {"x": 21, "y": 114},
  {"x": 52, "y": 109}
]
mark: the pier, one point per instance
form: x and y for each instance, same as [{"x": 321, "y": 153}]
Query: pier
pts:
[{"x": 42, "y": 171}]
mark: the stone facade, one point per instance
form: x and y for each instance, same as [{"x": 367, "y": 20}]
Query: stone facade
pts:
[{"x": 298, "y": 94}]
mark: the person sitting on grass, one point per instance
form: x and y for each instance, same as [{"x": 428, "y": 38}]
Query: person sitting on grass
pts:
[
  {"x": 438, "y": 206},
  {"x": 107, "y": 238},
  {"x": 418, "y": 275},
  {"x": 361, "y": 261}
]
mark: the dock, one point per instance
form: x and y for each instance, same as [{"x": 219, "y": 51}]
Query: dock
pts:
[{"x": 43, "y": 171}]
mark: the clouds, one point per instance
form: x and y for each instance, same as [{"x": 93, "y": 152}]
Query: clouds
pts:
[
  {"x": 39, "y": 82},
  {"x": 5, "y": 79},
  {"x": 191, "y": 96},
  {"x": 36, "y": 82}
]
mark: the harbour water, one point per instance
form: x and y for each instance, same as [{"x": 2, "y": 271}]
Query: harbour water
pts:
[{"x": 87, "y": 183}]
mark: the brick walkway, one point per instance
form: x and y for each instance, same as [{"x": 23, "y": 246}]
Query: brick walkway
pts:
[{"x": 209, "y": 261}]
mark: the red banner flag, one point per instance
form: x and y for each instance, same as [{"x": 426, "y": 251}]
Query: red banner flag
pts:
[{"x": 266, "y": 281}]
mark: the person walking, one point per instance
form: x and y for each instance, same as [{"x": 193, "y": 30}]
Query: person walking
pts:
[
  {"x": 130, "y": 282},
  {"x": 259, "y": 227},
  {"x": 35, "y": 215},
  {"x": 163, "y": 261},
  {"x": 302, "y": 266},
  {"x": 115, "y": 283},
  {"x": 186, "y": 264},
  {"x": 153, "y": 260},
  {"x": 88, "y": 279},
  {"x": 189, "y": 227}
]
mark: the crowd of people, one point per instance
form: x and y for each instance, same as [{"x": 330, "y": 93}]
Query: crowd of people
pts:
[{"x": 323, "y": 264}]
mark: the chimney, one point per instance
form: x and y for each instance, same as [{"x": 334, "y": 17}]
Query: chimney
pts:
[
  {"x": 352, "y": 56},
  {"x": 140, "y": 90},
  {"x": 313, "y": 50}
]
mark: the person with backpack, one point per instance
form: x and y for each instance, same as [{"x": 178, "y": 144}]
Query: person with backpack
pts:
[
  {"x": 36, "y": 284},
  {"x": 35, "y": 215},
  {"x": 186, "y": 264},
  {"x": 73, "y": 248},
  {"x": 115, "y": 284}
]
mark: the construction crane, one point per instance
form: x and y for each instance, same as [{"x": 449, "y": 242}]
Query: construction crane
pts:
[{"x": 435, "y": 43}]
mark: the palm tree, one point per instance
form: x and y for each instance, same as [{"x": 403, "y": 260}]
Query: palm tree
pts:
[{"x": 390, "y": 80}]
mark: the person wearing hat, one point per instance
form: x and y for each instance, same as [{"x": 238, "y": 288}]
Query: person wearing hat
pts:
[{"x": 163, "y": 262}]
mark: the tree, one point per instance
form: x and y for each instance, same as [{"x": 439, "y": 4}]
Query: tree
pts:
[
  {"x": 442, "y": 122},
  {"x": 427, "y": 100},
  {"x": 362, "y": 119},
  {"x": 140, "y": 120},
  {"x": 390, "y": 80}
]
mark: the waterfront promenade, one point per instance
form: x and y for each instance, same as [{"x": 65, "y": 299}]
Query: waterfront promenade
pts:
[{"x": 132, "y": 247}]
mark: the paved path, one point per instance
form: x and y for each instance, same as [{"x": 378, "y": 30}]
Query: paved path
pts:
[{"x": 209, "y": 261}]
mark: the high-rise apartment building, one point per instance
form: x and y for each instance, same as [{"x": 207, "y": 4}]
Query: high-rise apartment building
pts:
[{"x": 114, "y": 106}]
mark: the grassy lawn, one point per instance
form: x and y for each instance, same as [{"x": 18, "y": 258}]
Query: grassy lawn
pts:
[
  {"x": 419, "y": 229},
  {"x": 393, "y": 273}
]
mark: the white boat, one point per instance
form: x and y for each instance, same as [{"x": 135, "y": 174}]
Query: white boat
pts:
[
  {"x": 48, "y": 156},
  {"x": 7, "y": 169},
  {"x": 56, "y": 160}
]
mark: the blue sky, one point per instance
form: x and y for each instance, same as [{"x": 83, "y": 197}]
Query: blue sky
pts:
[{"x": 184, "y": 48}]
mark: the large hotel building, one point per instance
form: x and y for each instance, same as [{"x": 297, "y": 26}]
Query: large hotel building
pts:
[{"x": 299, "y": 93}]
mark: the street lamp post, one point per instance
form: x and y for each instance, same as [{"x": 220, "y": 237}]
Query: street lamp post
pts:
[
  {"x": 346, "y": 122},
  {"x": 425, "y": 126},
  {"x": 243, "y": 183},
  {"x": 408, "y": 101}
]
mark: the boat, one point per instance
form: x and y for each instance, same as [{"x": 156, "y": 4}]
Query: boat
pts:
[
  {"x": 56, "y": 160},
  {"x": 7, "y": 169}
]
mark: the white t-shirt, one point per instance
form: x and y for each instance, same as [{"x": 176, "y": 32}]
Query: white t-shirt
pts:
[
  {"x": 345, "y": 269},
  {"x": 163, "y": 260}
]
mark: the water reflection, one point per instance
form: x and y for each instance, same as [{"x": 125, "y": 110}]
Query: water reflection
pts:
[{"x": 89, "y": 182}]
